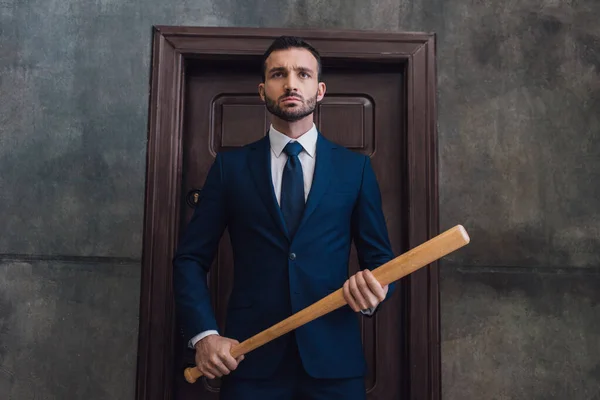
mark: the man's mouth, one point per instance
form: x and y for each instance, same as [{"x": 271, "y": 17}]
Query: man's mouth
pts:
[{"x": 290, "y": 98}]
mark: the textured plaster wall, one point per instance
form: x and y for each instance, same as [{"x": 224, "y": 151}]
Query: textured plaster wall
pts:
[{"x": 519, "y": 106}]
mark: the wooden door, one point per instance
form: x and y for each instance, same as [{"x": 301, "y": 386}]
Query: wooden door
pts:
[{"x": 369, "y": 109}]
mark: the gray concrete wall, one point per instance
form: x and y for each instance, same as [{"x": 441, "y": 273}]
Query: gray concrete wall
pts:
[{"x": 519, "y": 111}]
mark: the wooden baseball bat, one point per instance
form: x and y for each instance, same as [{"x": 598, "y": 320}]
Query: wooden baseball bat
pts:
[{"x": 399, "y": 267}]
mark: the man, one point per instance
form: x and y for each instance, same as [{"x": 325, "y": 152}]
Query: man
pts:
[{"x": 293, "y": 202}]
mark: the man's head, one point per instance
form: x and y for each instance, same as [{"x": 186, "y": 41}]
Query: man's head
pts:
[{"x": 291, "y": 84}]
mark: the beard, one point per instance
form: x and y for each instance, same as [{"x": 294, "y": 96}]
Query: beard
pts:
[{"x": 294, "y": 112}]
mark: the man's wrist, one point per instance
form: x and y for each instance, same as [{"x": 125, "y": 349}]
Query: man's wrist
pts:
[{"x": 192, "y": 343}]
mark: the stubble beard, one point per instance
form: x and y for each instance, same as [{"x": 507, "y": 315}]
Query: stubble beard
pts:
[{"x": 292, "y": 113}]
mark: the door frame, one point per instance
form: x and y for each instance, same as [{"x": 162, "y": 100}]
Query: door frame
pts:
[{"x": 172, "y": 45}]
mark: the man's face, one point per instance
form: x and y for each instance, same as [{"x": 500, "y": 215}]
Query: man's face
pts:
[{"x": 291, "y": 89}]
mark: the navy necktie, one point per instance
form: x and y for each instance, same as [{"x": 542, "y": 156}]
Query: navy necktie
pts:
[{"x": 292, "y": 188}]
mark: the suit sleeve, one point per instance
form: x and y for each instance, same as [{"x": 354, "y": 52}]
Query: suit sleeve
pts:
[
  {"x": 195, "y": 255},
  {"x": 369, "y": 229}
]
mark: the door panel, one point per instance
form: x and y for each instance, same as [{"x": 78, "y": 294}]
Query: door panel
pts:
[{"x": 360, "y": 112}]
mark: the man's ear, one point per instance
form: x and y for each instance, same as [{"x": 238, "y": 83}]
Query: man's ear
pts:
[
  {"x": 261, "y": 91},
  {"x": 321, "y": 91}
]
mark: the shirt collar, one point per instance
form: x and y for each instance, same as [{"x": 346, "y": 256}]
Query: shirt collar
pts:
[{"x": 308, "y": 141}]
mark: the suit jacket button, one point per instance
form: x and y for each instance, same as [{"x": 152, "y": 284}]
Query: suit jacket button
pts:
[{"x": 292, "y": 256}]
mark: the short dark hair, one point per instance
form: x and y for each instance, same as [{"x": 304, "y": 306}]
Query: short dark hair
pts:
[{"x": 289, "y": 42}]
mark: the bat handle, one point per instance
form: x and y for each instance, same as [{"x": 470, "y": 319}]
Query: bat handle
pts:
[{"x": 192, "y": 374}]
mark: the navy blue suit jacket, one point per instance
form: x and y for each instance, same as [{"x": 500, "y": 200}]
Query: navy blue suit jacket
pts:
[{"x": 274, "y": 276}]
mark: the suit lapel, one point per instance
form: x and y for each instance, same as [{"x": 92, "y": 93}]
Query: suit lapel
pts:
[
  {"x": 260, "y": 167},
  {"x": 321, "y": 178}
]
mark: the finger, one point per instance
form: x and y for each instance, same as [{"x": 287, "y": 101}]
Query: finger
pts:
[
  {"x": 203, "y": 367},
  {"x": 370, "y": 297},
  {"x": 235, "y": 343},
  {"x": 348, "y": 297},
  {"x": 240, "y": 357},
  {"x": 218, "y": 367},
  {"x": 357, "y": 294},
  {"x": 207, "y": 372},
  {"x": 222, "y": 368},
  {"x": 228, "y": 360},
  {"x": 375, "y": 286}
]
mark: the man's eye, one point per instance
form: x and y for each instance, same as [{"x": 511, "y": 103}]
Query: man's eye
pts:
[
  {"x": 304, "y": 75},
  {"x": 276, "y": 75}
]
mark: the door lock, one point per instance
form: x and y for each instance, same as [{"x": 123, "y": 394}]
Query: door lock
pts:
[{"x": 193, "y": 197}]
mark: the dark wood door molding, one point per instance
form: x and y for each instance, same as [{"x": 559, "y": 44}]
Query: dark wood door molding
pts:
[{"x": 172, "y": 46}]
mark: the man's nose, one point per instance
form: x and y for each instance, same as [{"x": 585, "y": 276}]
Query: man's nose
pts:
[{"x": 291, "y": 83}]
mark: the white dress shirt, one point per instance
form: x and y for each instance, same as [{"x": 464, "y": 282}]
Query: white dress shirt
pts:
[{"x": 307, "y": 158}]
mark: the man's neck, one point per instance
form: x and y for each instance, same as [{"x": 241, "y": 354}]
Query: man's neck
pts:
[{"x": 293, "y": 129}]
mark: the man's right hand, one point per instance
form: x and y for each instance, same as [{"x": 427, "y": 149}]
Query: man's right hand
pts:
[{"x": 213, "y": 356}]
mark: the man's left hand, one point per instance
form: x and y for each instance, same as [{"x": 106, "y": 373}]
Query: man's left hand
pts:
[{"x": 362, "y": 291}]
